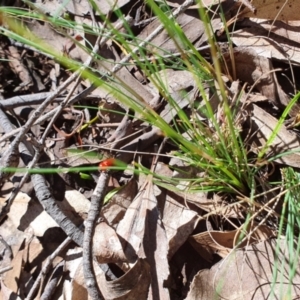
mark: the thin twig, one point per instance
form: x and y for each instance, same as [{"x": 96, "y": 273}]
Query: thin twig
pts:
[
  {"x": 6, "y": 269},
  {"x": 47, "y": 267},
  {"x": 35, "y": 99},
  {"x": 49, "y": 204},
  {"x": 171, "y": 55},
  {"x": 10, "y": 157},
  {"x": 90, "y": 223},
  {"x": 52, "y": 284},
  {"x": 51, "y": 113},
  {"x": 25, "y": 155},
  {"x": 23, "y": 100}
]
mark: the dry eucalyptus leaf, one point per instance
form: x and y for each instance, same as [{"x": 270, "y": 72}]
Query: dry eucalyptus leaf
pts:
[
  {"x": 143, "y": 235},
  {"x": 48, "y": 36},
  {"x": 130, "y": 83},
  {"x": 163, "y": 43},
  {"x": 133, "y": 285},
  {"x": 26, "y": 213},
  {"x": 247, "y": 274},
  {"x": 179, "y": 222},
  {"x": 263, "y": 124},
  {"x": 29, "y": 254},
  {"x": 13, "y": 236},
  {"x": 12, "y": 277},
  {"x": 176, "y": 80},
  {"x": 286, "y": 10},
  {"x": 6, "y": 293},
  {"x": 286, "y": 29},
  {"x": 125, "y": 84},
  {"x": 258, "y": 70},
  {"x": 73, "y": 259},
  {"x": 56, "y": 7},
  {"x": 106, "y": 245},
  {"x": 115, "y": 209},
  {"x": 77, "y": 202},
  {"x": 18, "y": 67},
  {"x": 282, "y": 44},
  {"x": 222, "y": 242},
  {"x": 33, "y": 251}
]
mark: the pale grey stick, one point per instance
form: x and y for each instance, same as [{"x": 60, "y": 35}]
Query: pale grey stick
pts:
[
  {"x": 51, "y": 113},
  {"x": 4, "y": 270},
  {"x": 53, "y": 282},
  {"x": 23, "y": 100},
  {"x": 90, "y": 223}
]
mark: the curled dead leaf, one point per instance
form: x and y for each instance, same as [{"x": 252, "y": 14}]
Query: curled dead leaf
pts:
[
  {"x": 134, "y": 284},
  {"x": 106, "y": 245},
  {"x": 131, "y": 286},
  {"x": 213, "y": 242},
  {"x": 247, "y": 274}
]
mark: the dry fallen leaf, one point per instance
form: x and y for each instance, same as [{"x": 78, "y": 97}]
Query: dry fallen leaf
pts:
[
  {"x": 77, "y": 289},
  {"x": 179, "y": 222},
  {"x": 134, "y": 284},
  {"x": 286, "y": 10},
  {"x": 165, "y": 42},
  {"x": 57, "y": 8},
  {"x": 26, "y": 213},
  {"x": 73, "y": 260},
  {"x": 144, "y": 236},
  {"x": 115, "y": 209},
  {"x": 12, "y": 277},
  {"x": 279, "y": 40},
  {"x": 106, "y": 245},
  {"x": 222, "y": 242},
  {"x": 264, "y": 124},
  {"x": 6, "y": 293},
  {"x": 29, "y": 253},
  {"x": 258, "y": 70},
  {"x": 247, "y": 274}
]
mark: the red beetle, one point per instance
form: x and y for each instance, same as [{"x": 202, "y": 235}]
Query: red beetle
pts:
[{"x": 105, "y": 164}]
